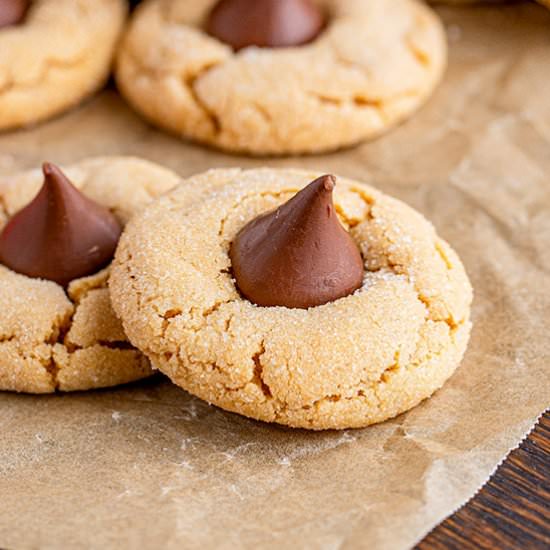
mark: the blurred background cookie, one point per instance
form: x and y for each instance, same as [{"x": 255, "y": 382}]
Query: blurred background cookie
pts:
[
  {"x": 328, "y": 74},
  {"x": 54, "y": 53}
]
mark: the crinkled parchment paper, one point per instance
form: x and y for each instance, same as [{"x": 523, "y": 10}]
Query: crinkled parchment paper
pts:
[{"x": 148, "y": 466}]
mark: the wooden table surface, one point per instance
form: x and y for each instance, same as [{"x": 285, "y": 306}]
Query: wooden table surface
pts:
[{"x": 512, "y": 511}]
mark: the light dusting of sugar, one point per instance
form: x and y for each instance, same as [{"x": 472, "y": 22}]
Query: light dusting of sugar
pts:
[
  {"x": 373, "y": 277},
  {"x": 344, "y": 438},
  {"x": 233, "y": 453}
]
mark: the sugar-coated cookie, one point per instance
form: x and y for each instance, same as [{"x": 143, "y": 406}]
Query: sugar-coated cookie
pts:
[
  {"x": 55, "y": 337},
  {"x": 350, "y": 362},
  {"x": 374, "y": 64},
  {"x": 59, "y": 53}
]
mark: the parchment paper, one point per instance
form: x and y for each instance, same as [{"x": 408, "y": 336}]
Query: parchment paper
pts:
[{"x": 148, "y": 466}]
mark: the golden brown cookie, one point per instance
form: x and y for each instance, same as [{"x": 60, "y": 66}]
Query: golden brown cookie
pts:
[
  {"x": 52, "y": 339},
  {"x": 60, "y": 53},
  {"x": 348, "y": 363},
  {"x": 375, "y": 64}
]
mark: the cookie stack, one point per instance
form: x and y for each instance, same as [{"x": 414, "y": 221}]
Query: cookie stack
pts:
[{"x": 294, "y": 297}]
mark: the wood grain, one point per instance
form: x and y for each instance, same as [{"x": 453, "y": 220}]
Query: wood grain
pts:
[{"x": 512, "y": 511}]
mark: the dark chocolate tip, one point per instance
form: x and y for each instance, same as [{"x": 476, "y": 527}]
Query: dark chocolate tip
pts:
[
  {"x": 49, "y": 169},
  {"x": 54, "y": 179},
  {"x": 61, "y": 235},
  {"x": 297, "y": 256},
  {"x": 328, "y": 181},
  {"x": 265, "y": 23}
]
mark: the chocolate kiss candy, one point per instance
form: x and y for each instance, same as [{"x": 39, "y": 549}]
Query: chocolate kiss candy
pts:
[
  {"x": 299, "y": 255},
  {"x": 12, "y": 11},
  {"x": 265, "y": 23},
  {"x": 61, "y": 235}
]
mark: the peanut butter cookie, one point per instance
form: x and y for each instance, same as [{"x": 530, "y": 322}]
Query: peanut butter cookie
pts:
[
  {"x": 353, "y": 360},
  {"x": 53, "y": 54},
  {"x": 372, "y": 65},
  {"x": 55, "y": 337}
]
